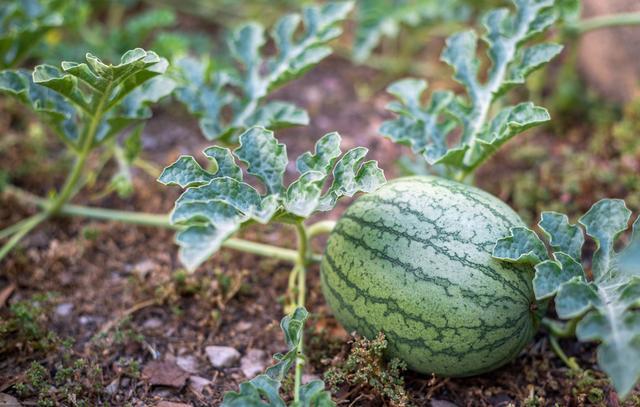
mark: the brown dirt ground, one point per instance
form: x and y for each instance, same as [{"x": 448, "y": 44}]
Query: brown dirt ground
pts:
[{"x": 114, "y": 267}]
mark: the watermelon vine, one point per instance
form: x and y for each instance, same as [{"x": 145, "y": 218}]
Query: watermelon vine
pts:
[
  {"x": 601, "y": 302},
  {"x": 217, "y": 203},
  {"x": 87, "y": 105},
  {"x": 427, "y": 129},
  {"x": 207, "y": 91}
]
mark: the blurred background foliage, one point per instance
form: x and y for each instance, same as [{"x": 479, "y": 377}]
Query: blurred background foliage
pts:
[{"x": 590, "y": 150}]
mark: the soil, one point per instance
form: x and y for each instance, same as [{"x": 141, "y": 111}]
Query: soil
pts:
[{"x": 129, "y": 279}]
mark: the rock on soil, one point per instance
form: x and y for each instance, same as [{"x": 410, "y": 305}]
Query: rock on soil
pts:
[
  {"x": 198, "y": 383},
  {"x": 442, "y": 403},
  {"x": 63, "y": 310},
  {"x": 188, "y": 363},
  {"x": 222, "y": 356},
  {"x": 172, "y": 404},
  {"x": 253, "y": 363},
  {"x": 163, "y": 373},
  {"x": 8, "y": 401}
]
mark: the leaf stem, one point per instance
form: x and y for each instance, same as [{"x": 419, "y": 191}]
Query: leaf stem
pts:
[
  {"x": 10, "y": 230},
  {"x": 607, "y": 21},
  {"x": 78, "y": 167},
  {"x": 320, "y": 228},
  {"x": 570, "y": 362},
  {"x": 156, "y": 220},
  {"x": 300, "y": 268},
  {"x": 26, "y": 226},
  {"x": 560, "y": 329}
]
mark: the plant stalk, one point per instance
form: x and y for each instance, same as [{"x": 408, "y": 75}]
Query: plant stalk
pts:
[
  {"x": 25, "y": 227},
  {"x": 156, "y": 220},
  {"x": 300, "y": 268},
  {"x": 559, "y": 329},
  {"x": 88, "y": 139},
  {"x": 323, "y": 227},
  {"x": 607, "y": 21},
  {"x": 570, "y": 362}
]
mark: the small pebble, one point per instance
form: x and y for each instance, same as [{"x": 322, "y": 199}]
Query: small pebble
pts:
[
  {"x": 63, "y": 310},
  {"x": 243, "y": 326},
  {"x": 188, "y": 363},
  {"x": 253, "y": 363},
  {"x": 152, "y": 323},
  {"x": 172, "y": 404},
  {"x": 222, "y": 356},
  {"x": 198, "y": 383},
  {"x": 9, "y": 401},
  {"x": 112, "y": 388},
  {"x": 442, "y": 403}
]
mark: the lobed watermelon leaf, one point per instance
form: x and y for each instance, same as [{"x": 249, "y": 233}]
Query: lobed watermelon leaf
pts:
[
  {"x": 208, "y": 93},
  {"x": 606, "y": 300},
  {"x": 217, "y": 202},
  {"x": 427, "y": 128},
  {"x": 71, "y": 99},
  {"x": 264, "y": 389},
  {"x": 23, "y": 23}
]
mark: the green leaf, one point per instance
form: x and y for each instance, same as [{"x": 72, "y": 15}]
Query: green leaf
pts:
[
  {"x": 185, "y": 172},
  {"x": 551, "y": 275},
  {"x": 629, "y": 259},
  {"x": 523, "y": 246},
  {"x": 314, "y": 394},
  {"x": 226, "y": 165},
  {"x": 427, "y": 129},
  {"x": 207, "y": 93},
  {"x": 620, "y": 346},
  {"x": 604, "y": 222},
  {"x": 59, "y": 113},
  {"x": 575, "y": 298},
  {"x": 303, "y": 195},
  {"x": 264, "y": 156},
  {"x": 23, "y": 24},
  {"x": 198, "y": 243},
  {"x": 421, "y": 128},
  {"x": 327, "y": 150},
  {"x": 83, "y": 95},
  {"x": 608, "y": 304},
  {"x": 352, "y": 175},
  {"x": 266, "y": 159},
  {"x": 562, "y": 236},
  {"x": 263, "y": 390}
]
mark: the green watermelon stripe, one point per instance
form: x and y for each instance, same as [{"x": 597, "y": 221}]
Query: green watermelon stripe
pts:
[
  {"x": 417, "y": 272},
  {"x": 519, "y": 325},
  {"x": 475, "y": 195},
  {"x": 395, "y": 307},
  {"x": 440, "y": 231}
]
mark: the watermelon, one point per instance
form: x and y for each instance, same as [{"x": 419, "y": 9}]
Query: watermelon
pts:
[{"x": 413, "y": 260}]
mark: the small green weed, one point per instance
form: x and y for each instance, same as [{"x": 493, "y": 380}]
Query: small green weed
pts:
[{"x": 365, "y": 367}]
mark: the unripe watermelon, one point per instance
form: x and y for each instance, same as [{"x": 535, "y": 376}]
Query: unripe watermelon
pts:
[{"x": 413, "y": 260}]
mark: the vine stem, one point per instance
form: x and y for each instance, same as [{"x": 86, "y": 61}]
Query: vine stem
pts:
[
  {"x": 320, "y": 228},
  {"x": 611, "y": 20},
  {"x": 69, "y": 188},
  {"x": 559, "y": 329},
  {"x": 154, "y": 220},
  {"x": 300, "y": 269},
  {"x": 25, "y": 227},
  {"x": 570, "y": 362}
]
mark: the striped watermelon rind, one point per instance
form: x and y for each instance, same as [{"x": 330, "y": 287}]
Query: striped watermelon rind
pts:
[{"x": 413, "y": 260}]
